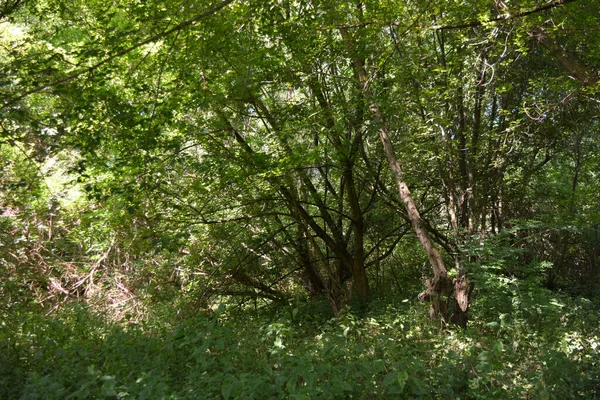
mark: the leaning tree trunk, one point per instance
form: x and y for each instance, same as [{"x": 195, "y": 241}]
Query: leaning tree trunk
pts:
[
  {"x": 580, "y": 71},
  {"x": 439, "y": 289}
]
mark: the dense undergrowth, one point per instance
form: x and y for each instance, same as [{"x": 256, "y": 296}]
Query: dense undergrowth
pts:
[
  {"x": 535, "y": 345},
  {"x": 131, "y": 335},
  {"x": 176, "y": 180}
]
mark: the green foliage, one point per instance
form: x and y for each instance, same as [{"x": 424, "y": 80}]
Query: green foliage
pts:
[
  {"x": 176, "y": 179},
  {"x": 291, "y": 352}
]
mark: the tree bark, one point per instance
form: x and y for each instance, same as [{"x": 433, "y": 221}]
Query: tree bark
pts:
[
  {"x": 462, "y": 292},
  {"x": 570, "y": 62},
  {"x": 312, "y": 278},
  {"x": 438, "y": 290},
  {"x": 359, "y": 273}
]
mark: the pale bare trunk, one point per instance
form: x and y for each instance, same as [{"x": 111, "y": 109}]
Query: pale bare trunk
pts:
[
  {"x": 570, "y": 62},
  {"x": 439, "y": 289}
]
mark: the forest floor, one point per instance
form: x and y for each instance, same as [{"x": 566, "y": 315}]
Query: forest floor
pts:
[{"x": 545, "y": 346}]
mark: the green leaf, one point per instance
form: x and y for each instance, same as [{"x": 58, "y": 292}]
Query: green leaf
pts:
[
  {"x": 401, "y": 378},
  {"x": 483, "y": 356},
  {"x": 389, "y": 379},
  {"x": 498, "y": 348},
  {"x": 226, "y": 389},
  {"x": 453, "y": 354},
  {"x": 108, "y": 386}
]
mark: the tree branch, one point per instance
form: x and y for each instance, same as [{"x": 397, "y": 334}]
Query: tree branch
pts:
[
  {"x": 570, "y": 62},
  {"x": 504, "y": 17}
]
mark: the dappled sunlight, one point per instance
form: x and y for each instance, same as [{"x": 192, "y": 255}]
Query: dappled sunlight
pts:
[{"x": 285, "y": 199}]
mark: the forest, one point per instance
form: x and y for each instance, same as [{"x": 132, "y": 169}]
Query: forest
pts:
[{"x": 300, "y": 199}]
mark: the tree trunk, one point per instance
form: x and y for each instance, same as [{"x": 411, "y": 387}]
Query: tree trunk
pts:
[
  {"x": 339, "y": 296},
  {"x": 438, "y": 290},
  {"x": 462, "y": 291},
  {"x": 582, "y": 73},
  {"x": 312, "y": 279},
  {"x": 359, "y": 273}
]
